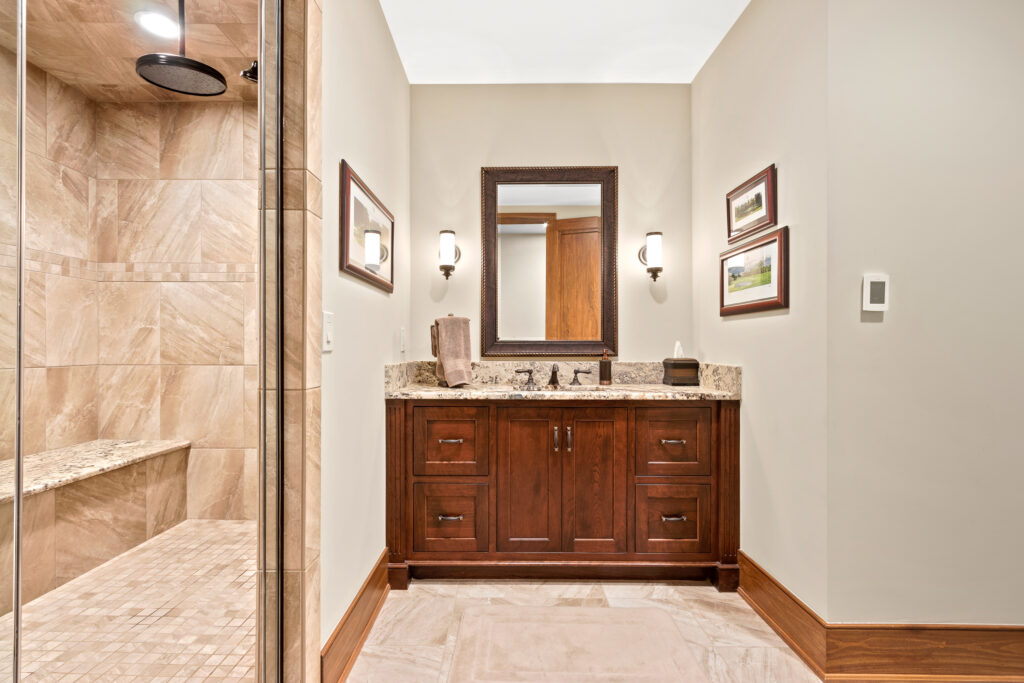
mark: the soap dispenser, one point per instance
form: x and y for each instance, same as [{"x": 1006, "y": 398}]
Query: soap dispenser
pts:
[{"x": 605, "y": 369}]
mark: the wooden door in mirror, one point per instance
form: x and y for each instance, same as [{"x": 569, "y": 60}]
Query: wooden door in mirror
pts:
[{"x": 549, "y": 261}]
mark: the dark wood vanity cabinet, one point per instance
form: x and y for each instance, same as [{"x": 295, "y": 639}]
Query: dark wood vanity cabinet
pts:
[
  {"x": 562, "y": 479},
  {"x": 567, "y": 489}
]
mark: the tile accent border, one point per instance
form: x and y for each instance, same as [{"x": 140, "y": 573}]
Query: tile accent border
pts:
[
  {"x": 883, "y": 652},
  {"x": 339, "y": 654}
]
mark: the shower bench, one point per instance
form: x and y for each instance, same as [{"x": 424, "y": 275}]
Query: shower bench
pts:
[{"x": 85, "y": 504}]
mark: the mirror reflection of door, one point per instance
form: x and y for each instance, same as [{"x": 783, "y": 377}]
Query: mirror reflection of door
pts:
[
  {"x": 573, "y": 302},
  {"x": 549, "y": 261}
]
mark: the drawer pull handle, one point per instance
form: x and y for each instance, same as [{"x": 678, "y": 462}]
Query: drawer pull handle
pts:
[
  {"x": 449, "y": 440},
  {"x": 556, "y": 440},
  {"x": 673, "y": 442},
  {"x": 449, "y": 518},
  {"x": 568, "y": 439},
  {"x": 673, "y": 518}
]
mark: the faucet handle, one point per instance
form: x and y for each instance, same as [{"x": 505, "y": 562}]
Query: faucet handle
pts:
[
  {"x": 529, "y": 377},
  {"x": 576, "y": 376}
]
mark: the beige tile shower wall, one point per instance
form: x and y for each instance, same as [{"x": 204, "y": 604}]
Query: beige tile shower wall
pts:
[{"x": 140, "y": 292}]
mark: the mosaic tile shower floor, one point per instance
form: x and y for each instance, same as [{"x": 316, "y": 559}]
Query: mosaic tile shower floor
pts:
[{"x": 179, "y": 607}]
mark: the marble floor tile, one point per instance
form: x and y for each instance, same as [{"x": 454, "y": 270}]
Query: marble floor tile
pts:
[
  {"x": 760, "y": 664},
  {"x": 419, "y": 631},
  {"x": 413, "y": 620},
  {"x": 572, "y": 645},
  {"x": 732, "y": 624},
  {"x": 405, "y": 664}
]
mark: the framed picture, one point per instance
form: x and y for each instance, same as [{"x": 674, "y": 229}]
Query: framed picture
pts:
[
  {"x": 751, "y": 206},
  {"x": 367, "y": 233},
  {"x": 755, "y": 276}
]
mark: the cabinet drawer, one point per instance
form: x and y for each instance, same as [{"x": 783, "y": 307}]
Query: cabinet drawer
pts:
[
  {"x": 449, "y": 517},
  {"x": 673, "y": 518},
  {"x": 673, "y": 442},
  {"x": 450, "y": 440}
]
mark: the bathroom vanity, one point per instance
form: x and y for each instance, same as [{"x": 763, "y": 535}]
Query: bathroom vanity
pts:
[{"x": 621, "y": 481}]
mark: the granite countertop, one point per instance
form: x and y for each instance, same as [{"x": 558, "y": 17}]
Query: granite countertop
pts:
[
  {"x": 614, "y": 392},
  {"x": 59, "y": 467}
]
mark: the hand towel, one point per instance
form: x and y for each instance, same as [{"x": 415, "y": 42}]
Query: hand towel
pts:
[{"x": 449, "y": 341}]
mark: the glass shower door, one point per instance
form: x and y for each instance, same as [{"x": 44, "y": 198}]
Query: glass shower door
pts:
[{"x": 9, "y": 337}]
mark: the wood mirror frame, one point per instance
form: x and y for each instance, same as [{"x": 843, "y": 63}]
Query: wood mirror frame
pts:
[{"x": 607, "y": 177}]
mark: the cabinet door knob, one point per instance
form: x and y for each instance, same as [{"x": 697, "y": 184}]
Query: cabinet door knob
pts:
[
  {"x": 673, "y": 442},
  {"x": 449, "y": 518},
  {"x": 449, "y": 440},
  {"x": 556, "y": 439},
  {"x": 673, "y": 518}
]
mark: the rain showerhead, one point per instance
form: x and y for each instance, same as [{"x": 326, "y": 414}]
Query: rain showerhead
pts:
[{"x": 178, "y": 73}]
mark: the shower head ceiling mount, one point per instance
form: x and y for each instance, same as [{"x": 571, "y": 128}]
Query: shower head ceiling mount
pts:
[{"x": 179, "y": 73}]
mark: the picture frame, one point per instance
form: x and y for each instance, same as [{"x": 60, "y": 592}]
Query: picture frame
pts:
[
  {"x": 752, "y": 206},
  {"x": 362, "y": 211},
  {"x": 754, "y": 276}
]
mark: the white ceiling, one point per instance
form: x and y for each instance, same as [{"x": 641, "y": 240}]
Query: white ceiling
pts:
[{"x": 557, "y": 41}]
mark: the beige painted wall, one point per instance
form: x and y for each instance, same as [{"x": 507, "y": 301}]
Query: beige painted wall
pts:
[
  {"x": 642, "y": 129},
  {"x": 761, "y": 99},
  {"x": 925, "y": 456},
  {"x": 366, "y": 107}
]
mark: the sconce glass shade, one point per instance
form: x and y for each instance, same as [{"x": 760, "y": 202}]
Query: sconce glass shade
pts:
[
  {"x": 650, "y": 254},
  {"x": 447, "y": 253},
  {"x": 654, "y": 259},
  {"x": 371, "y": 248}
]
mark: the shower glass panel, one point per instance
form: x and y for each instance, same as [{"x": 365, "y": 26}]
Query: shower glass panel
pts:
[
  {"x": 147, "y": 340},
  {"x": 271, "y": 369},
  {"x": 9, "y": 211}
]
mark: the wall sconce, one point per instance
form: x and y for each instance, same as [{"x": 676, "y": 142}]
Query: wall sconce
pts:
[
  {"x": 374, "y": 253},
  {"x": 449, "y": 253},
  {"x": 650, "y": 255}
]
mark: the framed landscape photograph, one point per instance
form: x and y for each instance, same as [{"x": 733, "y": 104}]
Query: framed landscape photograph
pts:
[
  {"x": 751, "y": 206},
  {"x": 755, "y": 276},
  {"x": 367, "y": 233}
]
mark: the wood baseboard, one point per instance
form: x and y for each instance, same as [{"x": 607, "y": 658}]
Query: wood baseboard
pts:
[
  {"x": 342, "y": 648},
  {"x": 883, "y": 652}
]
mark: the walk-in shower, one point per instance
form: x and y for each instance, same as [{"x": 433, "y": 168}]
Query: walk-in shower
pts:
[{"x": 139, "y": 337}]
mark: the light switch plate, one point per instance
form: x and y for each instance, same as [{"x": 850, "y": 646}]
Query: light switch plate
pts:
[
  {"x": 875, "y": 292},
  {"x": 328, "y": 342}
]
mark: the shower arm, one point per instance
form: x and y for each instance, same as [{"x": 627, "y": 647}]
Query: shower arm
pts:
[{"x": 181, "y": 27}]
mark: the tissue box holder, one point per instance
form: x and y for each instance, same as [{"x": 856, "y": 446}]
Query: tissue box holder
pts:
[{"x": 681, "y": 372}]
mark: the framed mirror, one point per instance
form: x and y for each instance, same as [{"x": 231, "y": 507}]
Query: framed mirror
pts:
[{"x": 548, "y": 269}]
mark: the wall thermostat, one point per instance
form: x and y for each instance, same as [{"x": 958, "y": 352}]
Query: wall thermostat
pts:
[{"x": 876, "y": 292}]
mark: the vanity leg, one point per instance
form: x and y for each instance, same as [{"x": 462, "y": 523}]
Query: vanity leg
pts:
[
  {"x": 727, "y": 578},
  {"x": 398, "y": 577}
]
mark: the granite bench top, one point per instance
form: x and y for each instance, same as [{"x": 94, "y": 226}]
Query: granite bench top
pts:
[{"x": 62, "y": 466}]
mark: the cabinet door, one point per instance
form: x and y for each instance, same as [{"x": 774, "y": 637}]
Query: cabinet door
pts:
[
  {"x": 529, "y": 492},
  {"x": 594, "y": 480}
]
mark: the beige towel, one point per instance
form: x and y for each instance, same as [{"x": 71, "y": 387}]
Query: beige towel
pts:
[{"x": 449, "y": 342}]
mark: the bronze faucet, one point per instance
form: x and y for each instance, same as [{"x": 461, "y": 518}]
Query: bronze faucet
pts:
[{"x": 553, "y": 380}]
